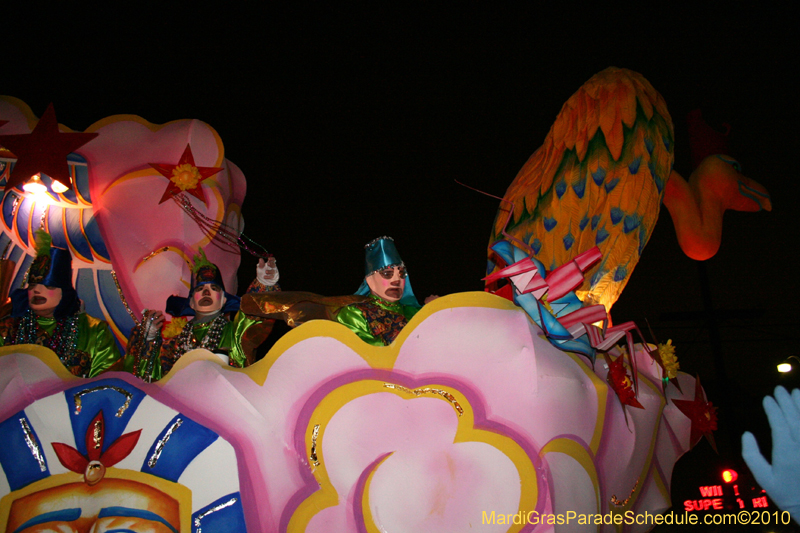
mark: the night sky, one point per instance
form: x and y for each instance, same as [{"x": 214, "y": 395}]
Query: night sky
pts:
[{"x": 350, "y": 123}]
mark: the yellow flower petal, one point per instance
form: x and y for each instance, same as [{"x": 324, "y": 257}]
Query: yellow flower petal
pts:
[
  {"x": 670, "y": 360},
  {"x": 185, "y": 176},
  {"x": 174, "y": 328}
]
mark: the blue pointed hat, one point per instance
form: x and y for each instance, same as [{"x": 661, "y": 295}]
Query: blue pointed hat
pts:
[
  {"x": 382, "y": 253},
  {"x": 52, "y": 267}
]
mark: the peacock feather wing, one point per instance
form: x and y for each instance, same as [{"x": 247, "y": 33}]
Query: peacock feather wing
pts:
[{"x": 597, "y": 180}]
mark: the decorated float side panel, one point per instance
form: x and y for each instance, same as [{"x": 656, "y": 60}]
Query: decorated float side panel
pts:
[{"x": 448, "y": 429}]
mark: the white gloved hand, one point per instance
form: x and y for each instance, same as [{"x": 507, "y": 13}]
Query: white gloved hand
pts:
[
  {"x": 152, "y": 320},
  {"x": 267, "y": 272},
  {"x": 781, "y": 479}
]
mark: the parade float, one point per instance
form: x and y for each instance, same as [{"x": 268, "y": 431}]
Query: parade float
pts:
[{"x": 517, "y": 409}]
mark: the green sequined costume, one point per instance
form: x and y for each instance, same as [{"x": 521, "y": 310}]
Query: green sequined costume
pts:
[
  {"x": 95, "y": 349},
  {"x": 375, "y": 320},
  {"x": 161, "y": 354}
]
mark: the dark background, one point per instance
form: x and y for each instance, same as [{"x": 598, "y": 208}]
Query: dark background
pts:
[{"x": 353, "y": 122}]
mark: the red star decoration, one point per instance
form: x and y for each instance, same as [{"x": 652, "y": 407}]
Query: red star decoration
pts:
[
  {"x": 185, "y": 176},
  {"x": 620, "y": 383},
  {"x": 43, "y": 150},
  {"x": 703, "y": 415}
]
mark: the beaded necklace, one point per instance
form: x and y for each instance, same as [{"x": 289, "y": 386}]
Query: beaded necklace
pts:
[
  {"x": 187, "y": 340},
  {"x": 64, "y": 341}
]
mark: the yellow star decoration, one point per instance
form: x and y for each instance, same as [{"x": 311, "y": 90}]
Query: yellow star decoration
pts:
[
  {"x": 185, "y": 176},
  {"x": 667, "y": 353}
]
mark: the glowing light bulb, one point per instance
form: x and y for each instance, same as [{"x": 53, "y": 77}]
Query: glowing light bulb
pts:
[
  {"x": 34, "y": 185},
  {"x": 729, "y": 476},
  {"x": 58, "y": 187},
  {"x": 786, "y": 366}
]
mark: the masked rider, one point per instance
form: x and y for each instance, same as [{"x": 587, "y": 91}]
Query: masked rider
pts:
[
  {"x": 151, "y": 355},
  {"x": 47, "y": 313},
  {"x": 391, "y": 302}
]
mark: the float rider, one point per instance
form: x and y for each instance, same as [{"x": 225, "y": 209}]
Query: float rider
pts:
[
  {"x": 390, "y": 301},
  {"x": 152, "y": 354},
  {"x": 48, "y": 313}
]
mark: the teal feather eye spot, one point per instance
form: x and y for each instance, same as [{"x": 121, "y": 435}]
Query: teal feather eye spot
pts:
[
  {"x": 595, "y": 221},
  {"x": 634, "y": 165},
  {"x": 602, "y": 235},
  {"x": 657, "y": 179},
  {"x": 630, "y": 223},
  {"x": 599, "y": 175},
  {"x": 579, "y": 187},
  {"x": 620, "y": 273},
  {"x": 561, "y": 188},
  {"x": 584, "y": 221},
  {"x": 536, "y": 246},
  {"x": 616, "y": 215},
  {"x": 611, "y": 184},
  {"x": 550, "y": 223},
  {"x": 569, "y": 240},
  {"x": 598, "y": 276},
  {"x": 659, "y": 183},
  {"x": 648, "y": 143},
  {"x": 643, "y": 237}
]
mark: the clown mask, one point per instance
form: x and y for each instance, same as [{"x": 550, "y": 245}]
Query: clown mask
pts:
[
  {"x": 43, "y": 300},
  {"x": 388, "y": 283},
  {"x": 207, "y": 299}
]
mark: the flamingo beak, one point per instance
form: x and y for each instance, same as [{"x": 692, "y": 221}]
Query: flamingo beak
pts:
[{"x": 754, "y": 197}]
